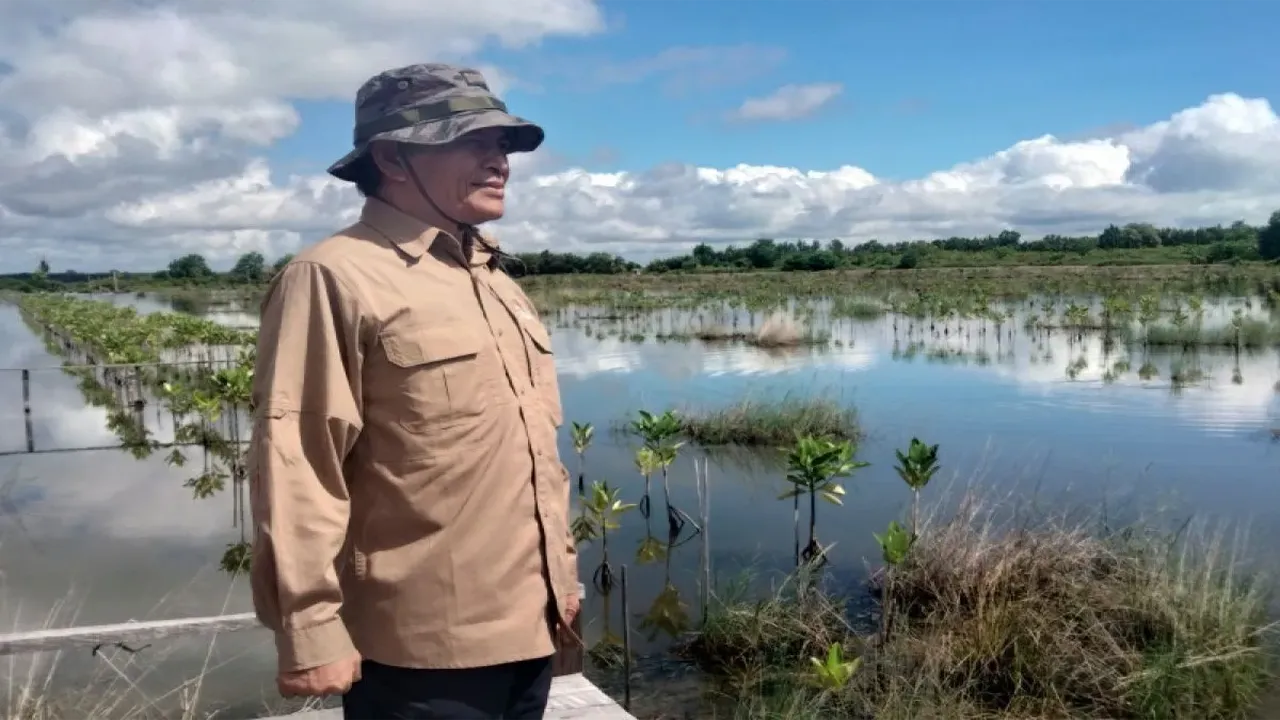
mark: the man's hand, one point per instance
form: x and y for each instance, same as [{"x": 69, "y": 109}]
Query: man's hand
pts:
[
  {"x": 333, "y": 679},
  {"x": 572, "y": 605}
]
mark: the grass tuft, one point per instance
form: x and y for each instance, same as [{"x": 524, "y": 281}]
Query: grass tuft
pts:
[
  {"x": 1050, "y": 621},
  {"x": 772, "y": 423}
]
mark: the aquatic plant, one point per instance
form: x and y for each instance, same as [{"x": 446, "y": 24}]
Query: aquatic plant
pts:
[
  {"x": 917, "y": 467},
  {"x": 603, "y": 510},
  {"x": 581, "y": 434},
  {"x": 812, "y": 468}
]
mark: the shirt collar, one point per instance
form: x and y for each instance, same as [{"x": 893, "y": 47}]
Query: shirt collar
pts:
[{"x": 415, "y": 237}]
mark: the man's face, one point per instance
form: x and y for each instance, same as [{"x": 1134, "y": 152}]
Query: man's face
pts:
[{"x": 468, "y": 177}]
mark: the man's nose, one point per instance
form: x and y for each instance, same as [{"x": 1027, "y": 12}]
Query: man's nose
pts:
[{"x": 498, "y": 162}]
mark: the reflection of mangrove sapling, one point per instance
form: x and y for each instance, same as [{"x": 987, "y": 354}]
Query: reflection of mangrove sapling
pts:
[
  {"x": 582, "y": 434},
  {"x": 916, "y": 468},
  {"x": 668, "y": 613},
  {"x": 812, "y": 467},
  {"x": 226, "y": 390}
]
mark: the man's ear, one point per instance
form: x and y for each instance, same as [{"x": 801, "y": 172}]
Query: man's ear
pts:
[{"x": 389, "y": 162}]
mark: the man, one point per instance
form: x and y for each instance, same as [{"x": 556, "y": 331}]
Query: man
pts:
[{"x": 412, "y": 546}]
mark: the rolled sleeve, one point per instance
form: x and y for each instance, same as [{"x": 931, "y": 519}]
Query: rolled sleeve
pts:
[{"x": 307, "y": 399}]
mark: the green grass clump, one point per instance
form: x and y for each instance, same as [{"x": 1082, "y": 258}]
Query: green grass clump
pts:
[
  {"x": 1051, "y": 621},
  {"x": 1253, "y": 334},
  {"x": 772, "y": 423}
]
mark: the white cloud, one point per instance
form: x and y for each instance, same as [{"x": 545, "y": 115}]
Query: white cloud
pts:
[
  {"x": 133, "y": 131},
  {"x": 789, "y": 102}
]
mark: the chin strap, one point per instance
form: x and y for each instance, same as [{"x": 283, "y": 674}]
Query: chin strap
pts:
[{"x": 468, "y": 234}]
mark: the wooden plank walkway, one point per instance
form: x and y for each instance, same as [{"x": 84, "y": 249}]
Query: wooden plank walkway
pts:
[{"x": 573, "y": 697}]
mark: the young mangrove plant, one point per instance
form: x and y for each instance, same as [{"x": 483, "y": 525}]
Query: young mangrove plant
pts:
[
  {"x": 895, "y": 546},
  {"x": 602, "y": 512},
  {"x": 833, "y": 672},
  {"x": 582, "y": 434},
  {"x": 812, "y": 468},
  {"x": 657, "y": 433},
  {"x": 916, "y": 468},
  {"x": 647, "y": 464}
]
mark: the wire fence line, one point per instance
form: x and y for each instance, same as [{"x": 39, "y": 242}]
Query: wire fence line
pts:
[{"x": 124, "y": 381}]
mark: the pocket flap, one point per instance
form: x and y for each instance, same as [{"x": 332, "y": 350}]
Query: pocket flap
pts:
[{"x": 422, "y": 345}]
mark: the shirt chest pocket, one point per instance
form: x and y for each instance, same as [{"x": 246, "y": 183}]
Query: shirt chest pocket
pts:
[
  {"x": 438, "y": 375},
  {"x": 543, "y": 366}
]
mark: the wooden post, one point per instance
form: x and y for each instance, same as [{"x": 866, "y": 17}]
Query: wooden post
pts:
[
  {"x": 26, "y": 409},
  {"x": 626, "y": 643},
  {"x": 570, "y": 653}
]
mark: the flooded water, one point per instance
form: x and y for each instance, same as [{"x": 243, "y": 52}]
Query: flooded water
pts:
[{"x": 1019, "y": 413}]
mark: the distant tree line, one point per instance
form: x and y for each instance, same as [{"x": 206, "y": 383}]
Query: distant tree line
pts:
[{"x": 1135, "y": 243}]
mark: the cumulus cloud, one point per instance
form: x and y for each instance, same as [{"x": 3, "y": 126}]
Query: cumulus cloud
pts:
[
  {"x": 789, "y": 102},
  {"x": 132, "y": 131}
]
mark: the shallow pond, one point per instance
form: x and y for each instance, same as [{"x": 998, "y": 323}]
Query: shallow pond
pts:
[{"x": 1020, "y": 414}]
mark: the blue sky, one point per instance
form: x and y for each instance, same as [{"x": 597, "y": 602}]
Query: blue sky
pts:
[
  {"x": 133, "y": 130},
  {"x": 926, "y": 84}
]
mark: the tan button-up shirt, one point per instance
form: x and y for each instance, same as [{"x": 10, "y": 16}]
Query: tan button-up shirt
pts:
[{"x": 407, "y": 494}]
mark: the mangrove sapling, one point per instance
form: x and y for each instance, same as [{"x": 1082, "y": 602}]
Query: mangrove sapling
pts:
[
  {"x": 582, "y": 434},
  {"x": 812, "y": 467},
  {"x": 655, "y": 431},
  {"x": 1148, "y": 313},
  {"x": 895, "y": 545},
  {"x": 916, "y": 468},
  {"x": 833, "y": 672},
  {"x": 666, "y": 454},
  {"x": 603, "y": 509},
  {"x": 647, "y": 463}
]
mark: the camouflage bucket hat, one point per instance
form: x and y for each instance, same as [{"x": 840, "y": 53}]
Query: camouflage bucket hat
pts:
[{"x": 430, "y": 104}]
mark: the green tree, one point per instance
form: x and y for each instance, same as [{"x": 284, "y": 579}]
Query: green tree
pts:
[
  {"x": 275, "y": 269},
  {"x": 250, "y": 268},
  {"x": 190, "y": 267},
  {"x": 1269, "y": 238}
]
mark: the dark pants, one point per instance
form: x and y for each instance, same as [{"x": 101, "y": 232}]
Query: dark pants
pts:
[{"x": 513, "y": 691}]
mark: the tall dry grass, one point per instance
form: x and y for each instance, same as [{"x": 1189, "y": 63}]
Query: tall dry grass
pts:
[
  {"x": 1042, "y": 620},
  {"x": 155, "y": 683}
]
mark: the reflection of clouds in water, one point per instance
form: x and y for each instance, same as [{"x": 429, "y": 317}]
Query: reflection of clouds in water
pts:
[
  {"x": 108, "y": 493},
  {"x": 745, "y": 360},
  {"x": 1215, "y": 404},
  {"x": 1039, "y": 366},
  {"x": 97, "y": 494},
  {"x": 581, "y": 356}
]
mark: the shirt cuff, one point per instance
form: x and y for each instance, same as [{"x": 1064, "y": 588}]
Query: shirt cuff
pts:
[{"x": 312, "y": 647}]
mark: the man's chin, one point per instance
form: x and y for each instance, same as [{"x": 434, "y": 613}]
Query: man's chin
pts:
[{"x": 485, "y": 212}]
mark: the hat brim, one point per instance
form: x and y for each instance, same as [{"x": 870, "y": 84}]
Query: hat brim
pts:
[{"x": 522, "y": 136}]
